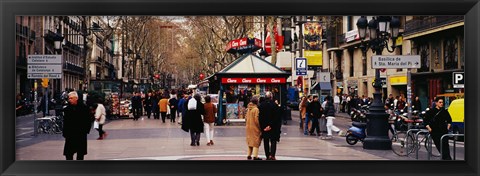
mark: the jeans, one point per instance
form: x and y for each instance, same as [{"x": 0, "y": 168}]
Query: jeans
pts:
[{"x": 307, "y": 119}]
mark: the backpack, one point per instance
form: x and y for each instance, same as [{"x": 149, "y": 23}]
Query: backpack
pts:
[{"x": 192, "y": 104}]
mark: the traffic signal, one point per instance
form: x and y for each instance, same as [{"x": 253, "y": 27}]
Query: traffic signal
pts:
[{"x": 45, "y": 82}]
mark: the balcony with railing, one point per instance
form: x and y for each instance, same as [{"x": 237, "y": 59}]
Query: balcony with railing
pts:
[
  {"x": 431, "y": 22},
  {"x": 73, "y": 68}
]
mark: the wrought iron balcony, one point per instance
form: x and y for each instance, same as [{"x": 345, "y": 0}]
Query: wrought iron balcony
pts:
[
  {"x": 73, "y": 68},
  {"x": 418, "y": 25}
]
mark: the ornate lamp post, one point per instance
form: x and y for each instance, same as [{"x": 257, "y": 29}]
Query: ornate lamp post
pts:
[{"x": 377, "y": 125}]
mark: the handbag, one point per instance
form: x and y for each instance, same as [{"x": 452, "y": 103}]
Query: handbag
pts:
[{"x": 95, "y": 124}]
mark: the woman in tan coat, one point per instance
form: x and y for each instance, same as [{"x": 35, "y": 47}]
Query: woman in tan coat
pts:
[{"x": 253, "y": 132}]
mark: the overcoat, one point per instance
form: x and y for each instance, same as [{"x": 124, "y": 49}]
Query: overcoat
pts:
[
  {"x": 269, "y": 115},
  {"x": 193, "y": 120},
  {"x": 252, "y": 129},
  {"x": 77, "y": 122}
]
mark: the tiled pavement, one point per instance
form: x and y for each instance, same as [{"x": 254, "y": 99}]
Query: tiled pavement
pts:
[{"x": 149, "y": 139}]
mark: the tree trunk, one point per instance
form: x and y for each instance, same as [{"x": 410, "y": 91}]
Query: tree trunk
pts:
[{"x": 272, "y": 22}]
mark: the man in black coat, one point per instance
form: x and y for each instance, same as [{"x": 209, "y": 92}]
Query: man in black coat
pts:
[
  {"x": 270, "y": 124},
  {"x": 76, "y": 125},
  {"x": 136, "y": 106},
  {"x": 314, "y": 110},
  {"x": 438, "y": 121}
]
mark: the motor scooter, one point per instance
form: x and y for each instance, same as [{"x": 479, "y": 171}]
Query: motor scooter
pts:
[{"x": 356, "y": 132}]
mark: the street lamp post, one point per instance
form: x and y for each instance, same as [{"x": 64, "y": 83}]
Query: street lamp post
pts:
[{"x": 377, "y": 125}]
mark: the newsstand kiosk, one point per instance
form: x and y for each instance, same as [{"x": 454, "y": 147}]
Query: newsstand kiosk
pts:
[{"x": 247, "y": 76}]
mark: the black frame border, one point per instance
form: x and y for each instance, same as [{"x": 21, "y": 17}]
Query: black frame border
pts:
[{"x": 11, "y": 8}]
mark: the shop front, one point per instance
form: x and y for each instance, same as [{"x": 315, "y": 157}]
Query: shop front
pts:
[
  {"x": 246, "y": 77},
  {"x": 429, "y": 85}
]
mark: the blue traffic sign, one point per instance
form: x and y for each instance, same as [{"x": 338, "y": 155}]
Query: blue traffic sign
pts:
[{"x": 301, "y": 66}]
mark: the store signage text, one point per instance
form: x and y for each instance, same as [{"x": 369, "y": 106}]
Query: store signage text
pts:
[{"x": 252, "y": 80}]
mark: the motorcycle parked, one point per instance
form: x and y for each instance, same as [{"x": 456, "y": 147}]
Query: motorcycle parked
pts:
[{"x": 357, "y": 132}]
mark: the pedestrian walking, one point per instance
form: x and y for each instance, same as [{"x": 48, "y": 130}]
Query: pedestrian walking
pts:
[
  {"x": 270, "y": 123},
  {"x": 438, "y": 122},
  {"x": 155, "y": 107},
  {"x": 192, "y": 122},
  {"x": 100, "y": 115},
  {"x": 136, "y": 106},
  {"x": 314, "y": 110},
  {"x": 77, "y": 122},
  {"x": 173, "y": 104},
  {"x": 163, "y": 104},
  {"x": 181, "y": 107},
  {"x": 148, "y": 104},
  {"x": 308, "y": 118},
  {"x": 303, "y": 110},
  {"x": 252, "y": 129},
  {"x": 330, "y": 116},
  {"x": 336, "y": 102},
  {"x": 209, "y": 119}
]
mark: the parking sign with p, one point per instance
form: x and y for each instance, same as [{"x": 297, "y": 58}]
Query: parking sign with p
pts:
[{"x": 458, "y": 79}]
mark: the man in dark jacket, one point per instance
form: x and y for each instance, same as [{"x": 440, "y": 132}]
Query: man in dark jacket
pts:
[
  {"x": 136, "y": 106},
  {"x": 314, "y": 113},
  {"x": 76, "y": 125},
  {"x": 438, "y": 121},
  {"x": 173, "y": 103},
  {"x": 270, "y": 124}
]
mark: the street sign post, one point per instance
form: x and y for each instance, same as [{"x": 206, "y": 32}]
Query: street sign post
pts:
[
  {"x": 396, "y": 61},
  {"x": 44, "y": 66},
  {"x": 301, "y": 66},
  {"x": 399, "y": 61}
]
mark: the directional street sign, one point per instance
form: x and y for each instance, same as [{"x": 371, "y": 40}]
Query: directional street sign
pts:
[
  {"x": 45, "y": 69},
  {"x": 396, "y": 61},
  {"x": 301, "y": 66},
  {"x": 44, "y": 59},
  {"x": 44, "y": 66}
]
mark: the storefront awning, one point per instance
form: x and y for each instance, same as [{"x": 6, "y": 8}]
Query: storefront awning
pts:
[{"x": 322, "y": 86}]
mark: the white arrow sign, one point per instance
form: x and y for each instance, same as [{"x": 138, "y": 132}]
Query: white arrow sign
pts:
[
  {"x": 44, "y": 59},
  {"x": 57, "y": 69},
  {"x": 396, "y": 61}
]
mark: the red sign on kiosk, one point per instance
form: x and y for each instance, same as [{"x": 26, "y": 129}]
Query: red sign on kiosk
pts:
[{"x": 253, "y": 80}]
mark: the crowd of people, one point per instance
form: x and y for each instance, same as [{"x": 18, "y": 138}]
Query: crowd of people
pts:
[
  {"x": 316, "y": 117},
  {"x": 263, "y": 118}
]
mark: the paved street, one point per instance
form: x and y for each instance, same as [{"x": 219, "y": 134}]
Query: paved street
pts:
[{"x": 149, "y": 139}]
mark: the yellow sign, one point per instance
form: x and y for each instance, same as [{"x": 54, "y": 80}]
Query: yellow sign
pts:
[
  {"x": 45, "y": 82},
  {"x": 398, "y": 80},
  {"x": 399, "y": 41},
  {"x": 314, "y": 58}
]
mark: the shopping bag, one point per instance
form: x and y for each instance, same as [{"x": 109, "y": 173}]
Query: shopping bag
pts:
[
  {"x": 192, "y": 104},
  {"x": 95, "y": 124}
]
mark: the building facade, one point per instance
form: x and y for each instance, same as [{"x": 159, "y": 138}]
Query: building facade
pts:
[{"x": 439, "y": 40}]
